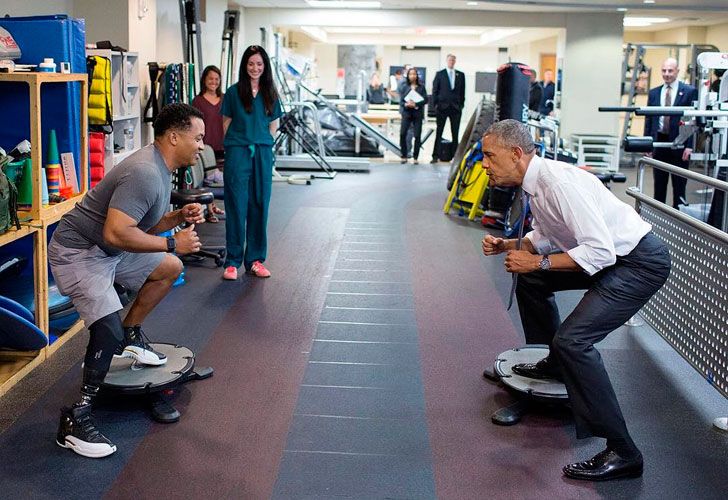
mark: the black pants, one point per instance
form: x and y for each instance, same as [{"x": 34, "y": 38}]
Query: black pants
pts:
[
  {"x": 613, "y": 296},
  {"x": 413, "y": 120},
  {"x": 673, "y": 157},
  {"x": 442, "y": 115}
]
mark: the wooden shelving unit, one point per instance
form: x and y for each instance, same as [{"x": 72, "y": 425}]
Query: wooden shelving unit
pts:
[{"x": 15, "y": 365}]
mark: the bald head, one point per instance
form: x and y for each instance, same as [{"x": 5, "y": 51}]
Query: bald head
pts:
[{"x": 669, "y": 70}]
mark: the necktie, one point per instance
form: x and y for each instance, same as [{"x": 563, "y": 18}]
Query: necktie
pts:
[
  {"x": 521, "y": 223},
  {"x": 666, "y": 119},
  {"x": 451, "y": 74}
]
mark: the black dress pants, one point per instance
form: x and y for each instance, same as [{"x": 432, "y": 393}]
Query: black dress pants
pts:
[
  {"x": 443, "y": 115},
  {"x": 613, "y": 296},
  {"x": 673, "y": 157},
  {"x": 410, "y": 118}
]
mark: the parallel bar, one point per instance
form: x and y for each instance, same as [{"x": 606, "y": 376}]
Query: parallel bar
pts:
[
  {"x": 683, "y": 172},
  {"x": 691, "y": 221}
]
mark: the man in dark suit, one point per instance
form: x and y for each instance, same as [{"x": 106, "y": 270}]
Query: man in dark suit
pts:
[
  {"x": 667, "y": 128},
  {"x": 534, "y": 93},
  {"x": 448, "y": 98},
  {"x": 546, "y": 107}
]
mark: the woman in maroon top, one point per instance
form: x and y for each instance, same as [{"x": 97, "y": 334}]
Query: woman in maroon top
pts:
[{"x": 209, "y": 101}]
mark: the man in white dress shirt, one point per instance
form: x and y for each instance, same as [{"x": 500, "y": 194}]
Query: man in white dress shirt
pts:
[{"x": 583, "y": 237}]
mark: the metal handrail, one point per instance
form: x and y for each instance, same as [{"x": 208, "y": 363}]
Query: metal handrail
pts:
[
  {"x": 677, "y": 214},
  {"x": 682, "y": 172},
  {"x": 316, "y": 124}
]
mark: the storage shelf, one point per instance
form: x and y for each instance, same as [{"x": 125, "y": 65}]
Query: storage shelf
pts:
[
  {"x": 68, "y": 335},
  {"x": 38, "y": 78},
  {"x": 16, "y": 365},
  {"x": 596, "y": 150},
  {"x": 16, "y": 234},
  {"x": 122, "y": 155},
  {"x": 126, "y": 117}
]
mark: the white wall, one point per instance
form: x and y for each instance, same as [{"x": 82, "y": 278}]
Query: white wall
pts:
[
  {"x": 212, "y": 31},
  {"x": 169, "y": 38},
  {"x": 592, "y": 73},
  {"x": 718, "y": 35},
  {"x": 97, "y": 15},
  {"x": 17, "y": 8}
]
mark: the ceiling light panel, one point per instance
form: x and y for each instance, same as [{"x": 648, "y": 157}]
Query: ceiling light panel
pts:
[{"x": 344, "y": 4}]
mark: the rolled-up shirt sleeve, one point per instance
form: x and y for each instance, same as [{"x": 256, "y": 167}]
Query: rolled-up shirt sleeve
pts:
[
  {"x": 579, "y": 211},
  {"x": 539, "y": 241}
]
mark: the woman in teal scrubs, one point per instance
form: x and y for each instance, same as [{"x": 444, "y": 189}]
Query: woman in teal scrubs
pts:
[{"x": 250, "y": 110}]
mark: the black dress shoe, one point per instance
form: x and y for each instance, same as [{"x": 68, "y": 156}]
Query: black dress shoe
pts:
[
  {"x": 604, "y": 466},
  {"x": 541, "y": 370}
]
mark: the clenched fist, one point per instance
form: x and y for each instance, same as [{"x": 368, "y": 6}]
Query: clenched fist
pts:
[
  {"x": 493, "y": 245},
  {"x": 192, "y": 213}
]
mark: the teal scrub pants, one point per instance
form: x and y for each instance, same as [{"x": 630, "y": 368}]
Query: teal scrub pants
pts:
[{"x": 248, "y": 177}]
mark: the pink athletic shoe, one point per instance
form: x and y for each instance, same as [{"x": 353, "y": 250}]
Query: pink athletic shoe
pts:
[
  {"x": 231, "y": 273},
  {"x": 259, "y": 270}
]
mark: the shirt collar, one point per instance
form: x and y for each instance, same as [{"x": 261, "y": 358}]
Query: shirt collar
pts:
[
  {"x": 673, "y": 85},
  {"x": 531, "y": 176}
]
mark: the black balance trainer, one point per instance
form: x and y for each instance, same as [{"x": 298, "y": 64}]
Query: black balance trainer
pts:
[
  {"x": 127, "y": 377},
  {"x": 528, "y": 391}
]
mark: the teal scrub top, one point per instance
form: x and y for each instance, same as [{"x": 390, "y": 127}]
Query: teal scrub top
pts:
[{"x": 248, "y": 128}]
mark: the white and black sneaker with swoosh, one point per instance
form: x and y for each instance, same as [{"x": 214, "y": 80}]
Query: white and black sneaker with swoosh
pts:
[{"x": 137, "y": 346}]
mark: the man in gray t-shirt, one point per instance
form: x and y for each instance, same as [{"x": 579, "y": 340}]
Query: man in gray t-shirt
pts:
[{"x": 111, "y": 237}]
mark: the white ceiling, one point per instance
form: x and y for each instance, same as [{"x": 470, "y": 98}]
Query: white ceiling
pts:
[
  {"x": 680, "y": 12},
  {"x": 523, "y": 5}
]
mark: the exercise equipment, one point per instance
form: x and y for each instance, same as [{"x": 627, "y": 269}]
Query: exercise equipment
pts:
[
  {"x": 482, "y": 118},
  {"x": 18, "y": 288},
  {"x": 129, "y": 378},
  {"x": 188, "y": 190},
  {"x": 229, "y": 42},
  {"x": 470, "y": 185},
  {"x": 189, "y": 12},
  {"x": 529, "y": 391},
  {"x": 511, "y": 93},
  {"x": 634, "y": 70},
  {"x": 17, "y": 328},
  {"x": 708, "y": 116}
]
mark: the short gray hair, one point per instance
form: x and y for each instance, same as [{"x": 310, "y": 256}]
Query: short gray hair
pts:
[{"x": 512, "y": 133}]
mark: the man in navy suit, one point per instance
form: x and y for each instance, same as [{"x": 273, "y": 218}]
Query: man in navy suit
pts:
[
  {"x": 546, "y": 106},
  {"x": 667, "y": 128},
  {"x": 448, "y": 98}
]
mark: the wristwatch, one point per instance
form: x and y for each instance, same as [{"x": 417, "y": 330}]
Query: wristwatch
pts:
[
  {"x": 171, "y": 244},
  {"x": 545, "y": 263}
]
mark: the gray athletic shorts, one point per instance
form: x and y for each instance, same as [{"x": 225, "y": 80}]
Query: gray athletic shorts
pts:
[{"x": 87, "y": 275}]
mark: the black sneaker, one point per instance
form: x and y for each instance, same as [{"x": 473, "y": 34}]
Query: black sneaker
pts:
[
  {"x": 137, "y": 347},
  {"x": 77, "y": 432}
]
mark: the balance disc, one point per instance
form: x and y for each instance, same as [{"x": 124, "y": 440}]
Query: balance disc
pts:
[
  {"x": 129, "y": 377},
  {"x": 547, "y": 389}
]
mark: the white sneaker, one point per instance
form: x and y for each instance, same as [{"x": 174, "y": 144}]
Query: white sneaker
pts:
[{"x": 138, "y": 347}]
